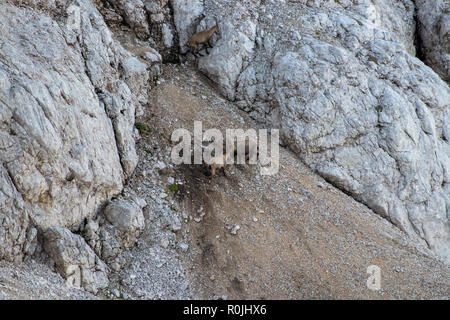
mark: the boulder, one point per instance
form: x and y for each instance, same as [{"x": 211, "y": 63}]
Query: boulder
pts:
[
  {"x": 134, "y": 14},
  {"x": 75, "y": 260}
]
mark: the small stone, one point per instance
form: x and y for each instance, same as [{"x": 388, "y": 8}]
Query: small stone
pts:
[
  {"x": 167, "y": 36},
  {"x": 116, "y": 293},
  {"x": 164, "y": 243},
  {"x": 176, "y": 227},
  {"x": 235, "y": 229},
  {"x": 184, "y": 286},
  {"x": 184, "y": 246},
  {"x": 203, "y": 97},
  {"x": 322, "y": 185}
]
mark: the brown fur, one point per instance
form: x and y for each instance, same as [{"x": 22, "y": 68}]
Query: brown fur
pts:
[
  {"x": 216, "y": 166},
  {"x": 202, "y": 37},
  {"x": 233, "y": 155}
]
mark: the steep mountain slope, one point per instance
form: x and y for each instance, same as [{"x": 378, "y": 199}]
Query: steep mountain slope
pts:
[
  {"x": 299, "y": 237},
  {"x": 93, "y": 205}
]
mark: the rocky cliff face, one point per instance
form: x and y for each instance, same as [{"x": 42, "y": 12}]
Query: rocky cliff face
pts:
[
  {"x": 340, "y": 79},
  {"x": 68, "y": 98}
]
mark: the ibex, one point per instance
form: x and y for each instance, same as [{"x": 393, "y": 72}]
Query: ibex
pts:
[
  {"x": 215, "y": 166},
  {"x": 251, "y": 147},
  {"x": 203, "y": 38}
]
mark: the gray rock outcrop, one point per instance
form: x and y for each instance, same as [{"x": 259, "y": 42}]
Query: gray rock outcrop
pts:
[
  {"x": 68, "y": 97},
  {"x": 128, "y": 218},
  {"x": 116, "y": 230},
  {"x": 14, "y": 220},
  {"x": 75, "y": 260},
  {"x": 134, "y": 14},
  {"x": 150, "y": 20}
]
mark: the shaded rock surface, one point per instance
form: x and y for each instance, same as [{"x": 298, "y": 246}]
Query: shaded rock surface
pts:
[
  {"x": 150, "y": 20},
  {"x": 134, "y": 14},
  {"x": 186, "y": 14},
  {"x": 338, "y": 78},
  {"x": 434, "y": 33}
]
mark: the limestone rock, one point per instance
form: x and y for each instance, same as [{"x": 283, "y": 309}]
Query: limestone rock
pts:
[
  {"x": 134, "y": 13},
  {"x": 68, "y": 97},
  {"x": 136, "y": 77},
  {"x": 339, "y": 80},
  {"x": 61, "y": 140},
  {"x": 116, "y": 230},
  {"x": 128, "y": 218},
  {"x": 434, "y": 33},
  {"x": 102, "y": 239},
  {"x": 75, "y": 260},
  {"x": 230, "y": 55},
  {"x": 186, "y": 14},
  {"x": 14, "y": 220}
]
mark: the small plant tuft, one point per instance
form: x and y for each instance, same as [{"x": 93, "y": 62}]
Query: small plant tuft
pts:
[
  {"x": 173, "y": 187},
  {"x": 142, "y": 127}
]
